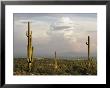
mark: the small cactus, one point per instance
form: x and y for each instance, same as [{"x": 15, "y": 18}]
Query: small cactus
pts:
[
  {"x": 55, "y": 61},
  {"x": 88, "y": 44},
  {"x": 55, "y": 54}
]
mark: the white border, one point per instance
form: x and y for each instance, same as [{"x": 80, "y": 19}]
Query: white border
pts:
[{"x": 101, "y": 44}]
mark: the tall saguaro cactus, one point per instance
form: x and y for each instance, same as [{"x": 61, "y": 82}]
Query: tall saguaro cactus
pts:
[
  {"x": 55, "y": 61},
  {"x": 29, "y": 48},
  {"x": 88, "y": 44}
]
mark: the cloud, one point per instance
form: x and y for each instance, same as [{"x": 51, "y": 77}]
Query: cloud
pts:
[
  {"x": 60, "y": 27},
  {"x": 74, "y": 33},
  {"x": 63, "y": 23},
  {"x": 56, "y": 33}
]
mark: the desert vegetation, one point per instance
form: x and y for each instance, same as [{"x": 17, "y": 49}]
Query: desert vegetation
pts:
[{"x": 46, "y": 66}]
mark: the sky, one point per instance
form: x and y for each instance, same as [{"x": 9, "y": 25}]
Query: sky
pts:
[{"x": 65, "y": 33}]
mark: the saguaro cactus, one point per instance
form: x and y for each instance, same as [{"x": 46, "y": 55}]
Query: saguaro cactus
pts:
[
  {"x": 29, "y": 47},
  {"x": 88, "y": 44},
  {"x": 55, "y": 61}
]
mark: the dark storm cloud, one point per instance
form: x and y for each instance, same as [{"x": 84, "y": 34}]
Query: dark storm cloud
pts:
[{"x": 60, "y": 27}]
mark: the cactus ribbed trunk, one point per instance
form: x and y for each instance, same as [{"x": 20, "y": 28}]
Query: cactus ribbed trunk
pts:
[
  {"x": 29, "y": 48},
  {"x": 88, "y": 47},
  {"x": 88, "y": 44}
]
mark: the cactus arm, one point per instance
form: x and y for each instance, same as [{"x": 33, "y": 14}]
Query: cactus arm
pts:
[
  {"x": 86, "y": 43},
  {"x": 32, "y": 54},
  {"x": 27, "y": 54},
  {"x": 31, "y": 33},
  {"x": 26, "y": 34}
]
